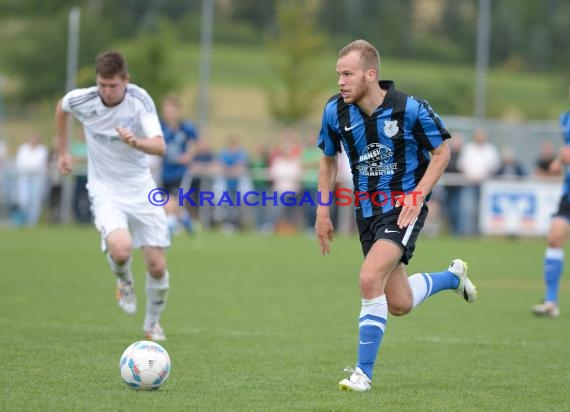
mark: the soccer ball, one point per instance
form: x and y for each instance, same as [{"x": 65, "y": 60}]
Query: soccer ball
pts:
[{"x": 145, "y": 365}]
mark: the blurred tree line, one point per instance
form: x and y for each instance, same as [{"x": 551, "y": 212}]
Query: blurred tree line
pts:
[{"x": 526, "y": 35}]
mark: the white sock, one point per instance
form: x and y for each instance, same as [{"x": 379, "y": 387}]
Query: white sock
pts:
[
  {"x": 123, "y": 272},
  {"x": 156, "y": 293},
  {"x": 420, "y": 288},
  {"x": 172, "y": 221}
]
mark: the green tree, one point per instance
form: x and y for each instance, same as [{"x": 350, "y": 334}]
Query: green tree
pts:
[
  {"x": 294, "y": 50},
  {"x": 151, "y": 65}
]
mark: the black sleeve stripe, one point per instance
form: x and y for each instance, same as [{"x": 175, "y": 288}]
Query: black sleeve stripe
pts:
[
  {"x": 421, "y": 137},
  {"x": 344, "y": 118},
  {"x": 436, "y": 120},
  {"x": 336, "y": 137},
  {"x": 79, "y": 100},
  {"x": 145, "y": 99}
]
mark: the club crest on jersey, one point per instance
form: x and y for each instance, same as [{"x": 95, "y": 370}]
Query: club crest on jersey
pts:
[{"x": 391, "y": 128}]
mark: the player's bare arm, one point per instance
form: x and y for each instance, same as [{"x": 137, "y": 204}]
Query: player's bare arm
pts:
[
  {"x": 153, "y": 145},
  {"x": 328, "y": 168},
  {"x": 412, "y": 203},
  {"x": 63, "y": 157}
]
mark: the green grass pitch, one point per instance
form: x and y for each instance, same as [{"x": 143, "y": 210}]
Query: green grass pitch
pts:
[{"x": 266, "y": 324}]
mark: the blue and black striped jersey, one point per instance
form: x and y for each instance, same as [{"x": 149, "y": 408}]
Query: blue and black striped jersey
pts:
[
  {"x": 565, "y": 125},
  {"x": 388, "y": 151}
]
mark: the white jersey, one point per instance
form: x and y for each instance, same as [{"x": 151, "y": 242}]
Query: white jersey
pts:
[{"x": 113, "y": 167}]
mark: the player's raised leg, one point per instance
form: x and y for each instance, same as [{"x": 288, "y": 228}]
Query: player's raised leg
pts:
[
  {"x": 424, "y": 285},
  {"x": 119, "y": 255},
  {"x": 157, "y": 285}
]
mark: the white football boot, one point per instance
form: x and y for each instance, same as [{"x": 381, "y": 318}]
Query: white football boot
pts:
[
  {"x": 357, "y": 382},
  {"x": 546, "y": 309},
  {"x": 466, "y": 288},
  {"x": 126, "y": 299},
  {"x": 154, "y": 332}
]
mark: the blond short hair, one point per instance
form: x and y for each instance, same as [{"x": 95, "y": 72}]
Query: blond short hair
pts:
[{"x": 369, "y": 56}]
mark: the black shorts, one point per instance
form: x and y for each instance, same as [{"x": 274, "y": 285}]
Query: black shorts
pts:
[
  {"x": 172, "y": 186},
  {"x": 385, "y": 226},
  {"x": 563, "y": 208}
]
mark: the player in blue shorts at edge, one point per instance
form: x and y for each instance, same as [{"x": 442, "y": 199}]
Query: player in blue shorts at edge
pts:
[
  {"x": 559, "y": 229},
  {"x": 397, "y": 151}
]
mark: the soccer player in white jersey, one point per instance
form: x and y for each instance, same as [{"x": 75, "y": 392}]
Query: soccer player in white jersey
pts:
[{"x": 121, "y": 127}]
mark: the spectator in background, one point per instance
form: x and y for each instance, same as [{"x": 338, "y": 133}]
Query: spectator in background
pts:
[
  {"x": 259, "y": 172},
  {"x": 80, "y": 203},
  {"x": 55, "y": 187},
  {"x": 202, "y": 170},
  {"x": 285, "y": 172},
  {"x": 31, "y": 166},
  {"x": 478, "y": 161},
  {"x": 453, "y": 187},
  {"x": 546, "y": 156},
  {"x": 310, "y": 158},
  {"x": 178, "y": 135},
  {"x": 510, "y": 166},
  {"x": 287, "y": 142},
  {"x": 3, "y": 152},
  {"x": 233, "y": 160},
  {"x": 5, "y": 192}
]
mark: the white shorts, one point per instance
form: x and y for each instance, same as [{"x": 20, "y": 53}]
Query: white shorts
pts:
[{"x": 145, "y": 222}]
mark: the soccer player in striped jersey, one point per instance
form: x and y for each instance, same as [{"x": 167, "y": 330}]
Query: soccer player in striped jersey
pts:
[
  {"x": 559, "y": 229},
  {"x": 121, "y": 127},
  {"x": 397, "y": 150}
]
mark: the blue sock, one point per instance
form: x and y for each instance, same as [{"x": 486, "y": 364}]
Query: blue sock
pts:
[
  {"x": 553, "y": 265},
  {"x": 372, "y": 323},
  {"x": 442, "y": 281},
  {"x": 424, "y": 285}
]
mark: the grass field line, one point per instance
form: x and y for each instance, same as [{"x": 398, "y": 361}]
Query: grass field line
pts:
[
  {"x": 473, "y": 341},
  {"x": 241, "y": 333},
  {"x": 516, "y": 284}
]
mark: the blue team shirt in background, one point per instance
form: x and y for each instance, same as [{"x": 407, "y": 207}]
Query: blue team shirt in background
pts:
[
  {"x": 177, "y": 142},
  {"x": 565, "y": 125},
  {"x": 230, "y": 158},
  {"x": 389, "y": 150}
]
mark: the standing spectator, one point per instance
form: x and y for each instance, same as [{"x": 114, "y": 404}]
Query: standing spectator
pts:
[
  {"x": 55, "y": 187},
  {"x": 286, "y": 172},
  {"x": 202, "y": 167},
  {"x": 545, "y": 158},
  {"x": 510, "y": 166},
  {"x": 31, "y": 166},
  {"x": 233, "y": 160},
  {"x": 454, "y": 188},
  {"x": 259, "y": 172},
  {"x": 178, "y": 134},
  {"x": 310, "y": 157},
  {"x": 478, "y": 161}
]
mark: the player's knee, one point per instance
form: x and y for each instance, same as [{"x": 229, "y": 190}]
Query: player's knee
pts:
[
  {"x": 156, "y": 268},
  {"x": 120, "y": 255},
  {"x": 399, "y": 310},
  {"x": 368, "y": 283},
  {"x": 555, "y": 241}
]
